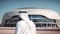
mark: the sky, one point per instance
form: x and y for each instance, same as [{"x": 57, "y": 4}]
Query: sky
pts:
[{"x": 6, "y": 5}]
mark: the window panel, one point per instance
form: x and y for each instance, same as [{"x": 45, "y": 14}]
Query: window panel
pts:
[{"x": 35, "y": 18}]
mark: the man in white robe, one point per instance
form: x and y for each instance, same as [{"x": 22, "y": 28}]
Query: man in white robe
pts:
[{"x": 25, "y": 26}]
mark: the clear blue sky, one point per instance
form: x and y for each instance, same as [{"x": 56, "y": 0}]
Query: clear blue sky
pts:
[{"x": 6, "y": 5}]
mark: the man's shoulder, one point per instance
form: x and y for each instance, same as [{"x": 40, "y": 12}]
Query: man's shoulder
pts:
[{"x": 20, "y": 22}]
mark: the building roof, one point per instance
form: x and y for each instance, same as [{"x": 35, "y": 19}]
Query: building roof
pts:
[
  {"x": 41, "y": 11},
  {"x": 36, "y": 11}
]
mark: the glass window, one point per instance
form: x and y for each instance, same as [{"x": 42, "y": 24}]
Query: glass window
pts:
[
  {"x": 49, "y": 25},
  {"x": 53, "y": 25},
  {"x": 40, "y": 18},
  {"x": 38, "y": 25},
  {"x": 43, "y": 25},
  {"x": 37, "y": 16},
  {"x": 29, "y": 16}
]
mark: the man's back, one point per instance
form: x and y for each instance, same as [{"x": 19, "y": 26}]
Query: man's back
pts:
[{"x": 25, "y": 28}]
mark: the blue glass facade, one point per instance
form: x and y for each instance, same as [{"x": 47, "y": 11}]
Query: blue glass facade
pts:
[
  {"x": 40, "y": 21},
  {"x": 40, "y": 18}
]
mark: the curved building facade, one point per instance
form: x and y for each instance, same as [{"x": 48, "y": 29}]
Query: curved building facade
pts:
[{"x": 43, "y": 18}]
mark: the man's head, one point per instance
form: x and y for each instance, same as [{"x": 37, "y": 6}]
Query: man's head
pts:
[{"x": 23, "y": 15}]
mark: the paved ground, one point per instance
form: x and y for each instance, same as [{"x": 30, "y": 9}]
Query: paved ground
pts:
[
  {"x": 12, "y": 31},
  {"x": 38, "y": 32}
]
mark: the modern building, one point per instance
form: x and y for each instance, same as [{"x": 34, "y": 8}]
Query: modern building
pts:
[{"x": 43, "y": 18}]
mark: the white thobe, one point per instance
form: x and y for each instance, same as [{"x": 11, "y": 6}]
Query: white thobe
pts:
[{"x": 23, "y": 27}]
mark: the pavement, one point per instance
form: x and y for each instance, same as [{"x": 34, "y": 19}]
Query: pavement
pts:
[{"x": 10, "y": 30}]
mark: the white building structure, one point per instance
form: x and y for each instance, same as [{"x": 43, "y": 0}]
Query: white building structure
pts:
[{"x": 43, "y": 18}]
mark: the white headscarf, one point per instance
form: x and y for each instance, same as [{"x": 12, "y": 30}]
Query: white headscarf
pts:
[
  {"x": 31, "y": 26},
  {"x": 24, "y": 17}
]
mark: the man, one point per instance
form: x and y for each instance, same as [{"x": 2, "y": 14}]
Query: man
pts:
[{"x": 25, "y": 26}]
